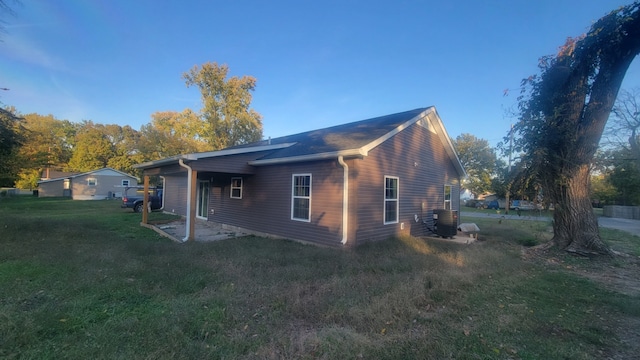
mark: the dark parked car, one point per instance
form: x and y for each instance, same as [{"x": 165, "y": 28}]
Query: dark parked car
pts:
[
  {"x": 135, "y": 202},
  {"x": 493, "y": 205}
]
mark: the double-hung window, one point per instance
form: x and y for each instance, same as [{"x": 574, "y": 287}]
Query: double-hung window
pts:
[
  {"x": 447, "y": 197},
  {"x": 301, "y": 197},
  {"x": 391, "y": 200},
  {"x": 92, "y": 182},
  {"x": 236, "y": 188},
  {"x": 125, "y": 182}
]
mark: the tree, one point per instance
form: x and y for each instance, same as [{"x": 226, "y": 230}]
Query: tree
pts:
[
  {"x": 6, "y": 9},
  {"x": 171, "y": 133},
  {"x": 28, "y": 178},
  {"x": 479, "y": 161},
  {"x": 226, "y": 105},
  {"x": 47, "y": 141},
  {"x": 93, "y": 148},
  {"x": 624, "y": 176},
  {"x": 10, "y": 141},
  {"x": 602, "y": 192},
  {"x": 562, "y": 116},
  {"x": 124, "y": 143},
  {"x": 623, "y": 130}
]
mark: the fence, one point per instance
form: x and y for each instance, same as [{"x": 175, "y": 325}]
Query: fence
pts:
[{"x": 623, "y": 212}]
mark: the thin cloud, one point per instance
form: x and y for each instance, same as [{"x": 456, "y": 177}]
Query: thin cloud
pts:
[{"x": 27, "y": 52}]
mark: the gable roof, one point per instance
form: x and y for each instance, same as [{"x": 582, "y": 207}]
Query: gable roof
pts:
[
  {"x": 94, "y": 172},
  {"x": 353, "y": 139},
  {"x": 54, "y": 174}
]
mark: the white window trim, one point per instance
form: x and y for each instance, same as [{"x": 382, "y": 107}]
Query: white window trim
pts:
[
  {"x": 397, "y": 200},
  {"x": 125, "y": 180},
  {"x": 236, "y": 187},
  {"x": 293, "y": 196},
  {"x": 95, "y": 182},
  {"x": 444, "y": 196}
]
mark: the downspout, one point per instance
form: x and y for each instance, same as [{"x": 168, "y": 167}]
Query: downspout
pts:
[
  {"x": 345, "y": 199},
  {"x": 163, "y": 182},
  {"x": 189, "y": 189}
]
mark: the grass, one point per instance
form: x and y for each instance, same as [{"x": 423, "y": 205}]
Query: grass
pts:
[
  {"x": 84, "y": 280},
  {"x": 538, "y": 213}
]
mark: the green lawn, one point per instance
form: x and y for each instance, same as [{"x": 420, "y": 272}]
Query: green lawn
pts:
[{"x": 82, "y": 280}]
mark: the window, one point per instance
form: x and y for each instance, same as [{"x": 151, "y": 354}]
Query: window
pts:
[
  {"x": 236, "y": 188},
  {"x": 447, "y": 197},
  {"x": 125, "y": 182},
  {"x": 92, "y": 182},
  {"x": 390, "y": 200},
  {"x": 301, "y": 197}
]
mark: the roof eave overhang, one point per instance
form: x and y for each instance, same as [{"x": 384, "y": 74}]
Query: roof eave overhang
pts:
[
  {"x": 351, "y": 153},
  {"x": 209, "y": 154}
]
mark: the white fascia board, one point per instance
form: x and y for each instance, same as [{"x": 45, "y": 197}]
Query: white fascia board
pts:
[
  {"x": 211, "y": 154},
  {"x": 237, "y": 151},
  {"x": 310, "y": 157},
  {"x": 53, "y": 180},
  {"x": 370, "y": 146},
  {"x": 155, "y": 163},
  {"x": 446, "y": 139}
]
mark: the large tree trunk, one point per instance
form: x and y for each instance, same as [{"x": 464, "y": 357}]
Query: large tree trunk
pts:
[{"x": 575, "y": 226}]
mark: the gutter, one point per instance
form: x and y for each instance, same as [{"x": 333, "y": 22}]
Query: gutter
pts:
[
  {"x": 321, "y": 156},
  {"x": 189, "y": 189},
  {"x": 210, "y": 154},
  {"x": 345, "y": 200}
]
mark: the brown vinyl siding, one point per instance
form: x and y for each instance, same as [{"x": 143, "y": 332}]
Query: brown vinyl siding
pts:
[
  {"x": 175, "y": 194},
  {"x": 266, "y": 203},
  {"x": 417, "y": 157}
]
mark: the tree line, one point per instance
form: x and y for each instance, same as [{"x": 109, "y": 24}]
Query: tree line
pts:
[
  {"x": 563, "y": 111},
  {"x": 29, "y": 143}
]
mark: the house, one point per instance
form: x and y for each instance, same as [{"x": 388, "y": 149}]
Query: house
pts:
[
  {"x": 343, "y": 185},
  {"x": 98, "y": 184}
]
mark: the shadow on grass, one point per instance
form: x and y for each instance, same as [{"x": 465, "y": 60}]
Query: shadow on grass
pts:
[{"x": 83, "y": 279}]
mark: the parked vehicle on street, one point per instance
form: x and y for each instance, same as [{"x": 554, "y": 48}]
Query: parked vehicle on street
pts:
[
  {"x": 493, "y": 205},
  {"x": 136, "y": 201},
  {"x": 522, "y": 205}
]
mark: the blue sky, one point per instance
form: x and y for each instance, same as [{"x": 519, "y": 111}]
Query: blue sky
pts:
[{"x": 317, "y": 63}]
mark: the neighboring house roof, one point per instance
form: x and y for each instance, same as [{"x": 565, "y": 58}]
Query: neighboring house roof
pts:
[
  {"x": 93, "y": 172},
  {"x": 354, "y": 139},
  {"x": 55, "y": 174}
]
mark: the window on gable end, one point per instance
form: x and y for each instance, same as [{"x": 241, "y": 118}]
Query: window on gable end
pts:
[
  {"x": 391, "y": 200},
  {"x": 447, "y": 197}
]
